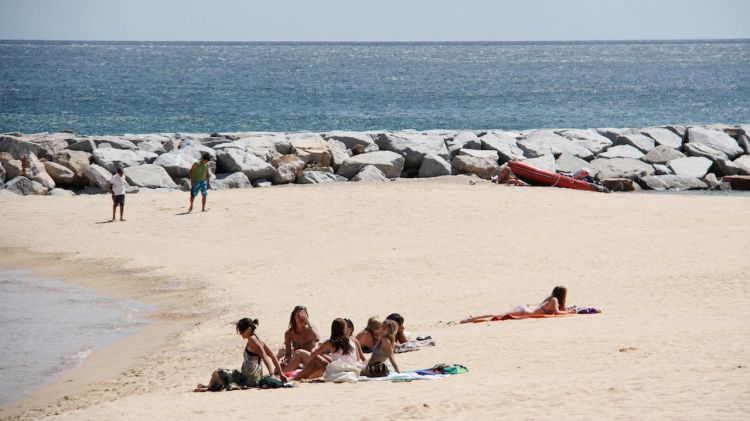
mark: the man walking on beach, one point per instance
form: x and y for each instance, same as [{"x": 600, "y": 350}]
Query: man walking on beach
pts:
[
  {"x": 199, "y": 180},
  {"x": 117, "y": 188}
]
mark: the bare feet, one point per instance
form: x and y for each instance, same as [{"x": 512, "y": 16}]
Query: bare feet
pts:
[{"x": 122, "y": 220}]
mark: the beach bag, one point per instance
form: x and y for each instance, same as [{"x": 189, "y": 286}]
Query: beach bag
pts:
[{"x": 377, "y": 369}]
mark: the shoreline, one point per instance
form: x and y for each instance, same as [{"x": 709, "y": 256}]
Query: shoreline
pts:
[{"x": 107, "y": 362}]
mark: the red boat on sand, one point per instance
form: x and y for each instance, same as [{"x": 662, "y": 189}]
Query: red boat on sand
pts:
[{"x": 549, "y": 178}]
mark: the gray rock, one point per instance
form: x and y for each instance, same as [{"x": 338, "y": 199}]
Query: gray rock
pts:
[
  {"x": 636, "y": 139},
  {"x": 743, "y": 162},
  {"x": 352, "y": 139},
  {"x": 149, "y": 176},
  {"x": 545, "y": 162},
  {"x": 34, "y": 170},
  {"x": 236, "y": 180},
  {"x": 83, "y": 145},
  {"x": 662, "y": 154},
  {"x": 370, "y": 173},
  {"x": 622, "y": 151},
  {"x": 483, "y": 167},
  {"x": 691, "y": 167},
  {"x": 715, "y": 139},
  {"x": 463, "y": 140},
  {"x": 24, "y": 186},
  {"x": 558, "y": 144},
  {"x": 662, "y": 169},
  {"x": 263, "y": 148},
  {"x": 152, "y": 146},
  {"x": 233, "y": 160},
  {"x": 672, "y": 182},
  {"x": 612, "y": 133},
  {"x": 262, "y": 182},
  {"x": 664, "y": 137},
  {"x": 317, "y": 177},
  {"x": 338, "y": 152},
  {"x": 413, "y": 147},
  {"x": 76, "y": 161},
  {"x": 98, "y": 176},
  {"x": 724, "y": 167},
  {"x": 60, "y": 193},
  {"x": 620, "y": 168},
  {"x": 711, "y": 181},
  {"x": 176, "y": 164},
  {"x": 569, "y": 163},
  {"x": 480, "y": 153},
  {"x": 589, "y": 139},
  {"x": 288, "y": 167},
  {"x": 148, "y": 157},
  {"x": 504, "y": 143},
  {"x": 534, "y": 147},
  {"x": 390, "y": 163},
  {"x": 435, "y": 166},
  {"x": 699, "y": 149},
  {"x": 114, "y": 142},
  {"x": 61, "y": 174},
  {"x": 111, "y": 158},
  {"x": 17, "y": 146},
  {"x": 680, "y": 131},
  {"x": 743, "y": 137},
  {"x": 13, "y": 167},
  {"x": 195, "y": 149}
]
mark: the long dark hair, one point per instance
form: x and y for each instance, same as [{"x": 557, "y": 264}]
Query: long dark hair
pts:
[
  {"x": 338, "y": 339},
  {"x": 293, "y": 317},
  {"x": 246, "y": 323},
  {"x": 560, "y": 293}
]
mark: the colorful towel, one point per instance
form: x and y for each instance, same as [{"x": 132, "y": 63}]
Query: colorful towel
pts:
[
  {"x": 435, "y": 373},
  {"x": 442, "y": 369}
]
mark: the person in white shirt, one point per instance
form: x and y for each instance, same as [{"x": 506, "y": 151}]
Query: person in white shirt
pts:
[{"x": 117, "y": 188}]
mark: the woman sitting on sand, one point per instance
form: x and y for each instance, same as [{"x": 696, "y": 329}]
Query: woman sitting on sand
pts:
[
  {"x": 368, "y": 337},
  {"x": 300, "y": 340},
  {"x": 342, "y": 348},
  {"x": 383, "y": 351},
  {"x": 252, "y": 371},
  {"x": 554, "y": 304}
]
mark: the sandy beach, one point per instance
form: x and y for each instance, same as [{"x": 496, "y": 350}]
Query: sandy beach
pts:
[{"x": 670, "y": 273}]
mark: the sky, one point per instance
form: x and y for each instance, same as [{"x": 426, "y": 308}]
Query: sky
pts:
[{"x": 373, "y": 20}]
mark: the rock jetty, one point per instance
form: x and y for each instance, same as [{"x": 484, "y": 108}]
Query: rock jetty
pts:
[{"x": 654, "y": 158}]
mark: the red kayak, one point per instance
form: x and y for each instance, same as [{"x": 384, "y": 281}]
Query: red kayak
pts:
[{"x": 548, "y": 178}]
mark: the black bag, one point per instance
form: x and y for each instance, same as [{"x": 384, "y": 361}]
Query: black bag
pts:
[{"x": 377, "y": 369}]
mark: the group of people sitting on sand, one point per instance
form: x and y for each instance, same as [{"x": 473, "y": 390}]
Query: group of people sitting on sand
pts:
[{"x": 305, "y": 357}]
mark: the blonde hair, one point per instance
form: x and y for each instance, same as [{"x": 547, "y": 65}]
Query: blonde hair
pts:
[
  {"x": 391, "y": 328},
  {"x": 373, "y": 323}
]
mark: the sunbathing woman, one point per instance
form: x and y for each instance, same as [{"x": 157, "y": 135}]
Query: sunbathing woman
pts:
[
  {"x": 300, "y": 340},
  {"x": 383, "y": 351},
  {"x": 342, "y": 348},
  {"x": 400, "y": 335},
  {"x": 554, "y": 304},
  {"x": 252, "y": 371},
  {"x": 369, "y": 336}
]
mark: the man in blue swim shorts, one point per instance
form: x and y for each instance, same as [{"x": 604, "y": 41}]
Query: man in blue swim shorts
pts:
[{"x": 199, "y": 180}]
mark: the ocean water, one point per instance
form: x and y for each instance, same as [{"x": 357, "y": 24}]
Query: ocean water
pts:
[
  {"x": 48, "y": 326},
  {"x": 137, "y": 87}
]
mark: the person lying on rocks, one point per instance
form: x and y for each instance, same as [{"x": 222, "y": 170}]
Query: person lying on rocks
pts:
[
  {"x": 554, "y": 304},
  {"x": 368, "y": 337}
]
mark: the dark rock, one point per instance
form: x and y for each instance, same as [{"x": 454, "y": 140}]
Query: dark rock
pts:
[
  {"x": 318, "y": 177},
  {"x": 737, "y": 182},
  {"x": 619, "y": 184},
  {"x": 724, "y": 167},
  {"x": 24, "y": 186}
]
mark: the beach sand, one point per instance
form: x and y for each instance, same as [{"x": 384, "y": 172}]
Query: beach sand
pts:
[{"x": 671, "y": 273}]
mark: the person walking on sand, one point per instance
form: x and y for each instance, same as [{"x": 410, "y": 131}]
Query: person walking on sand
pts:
[
  {"x": 117, "y": 188},
  {"x": 199, "y": 180}
]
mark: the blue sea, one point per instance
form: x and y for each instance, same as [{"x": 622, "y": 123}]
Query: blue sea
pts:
[{"x": 138, "y": 87}]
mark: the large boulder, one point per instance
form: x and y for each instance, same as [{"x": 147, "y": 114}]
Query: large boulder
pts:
[
  {"x": 664, "y": 137},
  {"x": 480, "y": 153},
  {"x": 435, "y": 166},
  {"x": 505, "y": 144},
  {"x": 148, "y": 157},
  {"x": 545, "y": 162},
  {"x": 176, "y": 164},
  {"x": 339, "y": 153},
  {"x": 352, "y": 139},
  {"x": 699, "y": 149},
  {"x": 83, "y": 145},
  {"x": 534, "y": 147},
  {"x": 680, "y": 131},
  {"x": 569, "y": 163},
  {"x": 743, "y": 162},
  {"x": 390, "y": 163},
  {"x": 195, "y": 150},
  {"x": 263, "y": 148},
  {"x": 483, "y": 167},
  {"x": 149, "y": 176},
  {"x": 114, "y": 142},
  {"x": 111, "y": 158},
  {"x": 716, "y": 139},
  {"x": 589, "y": 139},
  {"x": 619, "y": 184},
  {"x": 370, "y": 173},
  {"x": 24, "y": 186},
  {"x": 236, "y": 180},
  {"x": 60, "y": 192},
  {"x": 463, "y": 140},
  {"x": 662, "y": 169},
  {"x": 50, "y": 143},
  {"x": 231, "y": 160},
  {"x": 691, "y": 167},
  {"x": 61, "y": 174},
  {"x": 98, "y": 176},
  {"x": 622, "y": 151},
  {"x": 672, "y": 182},
  {"x": 743, "y": 137},
  {"x": 76, "y": 161},
  {"x": 724, "y": 167},
  {"x": 17, "y": 146},
  {"x": 288, "y": 168},
  {"x": 620, "y": 168},
  {"x": 317, "y": 177},
  {"x": 13, "y": 167},
  {"x": 312, "y": 151},
  {"x": 612, "y": 133},
  {"x": 662, "y": 154},
  {"x": 637, "y": 140},
  {"x": 557, "y": 144},
  {"x": 712, "y": 181},
  {"x": 413, "y": 147},
  {"x": 152, "y": 146},
  {"x": 34, "y": 170}
]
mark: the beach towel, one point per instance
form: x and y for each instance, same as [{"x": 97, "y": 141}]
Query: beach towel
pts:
[
  {"x": 436, "y": 372},
  {"x": 414, "y": 345}
]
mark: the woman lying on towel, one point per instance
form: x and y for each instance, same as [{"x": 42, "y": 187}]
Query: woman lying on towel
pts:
[
  {"x": 342, "y": 347},
  {"x": 300, "y": 340},
  {"x": 554, "y": 304},
  {"x": 255, "y": 354},
  {"x": 368, "y": 337}
]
